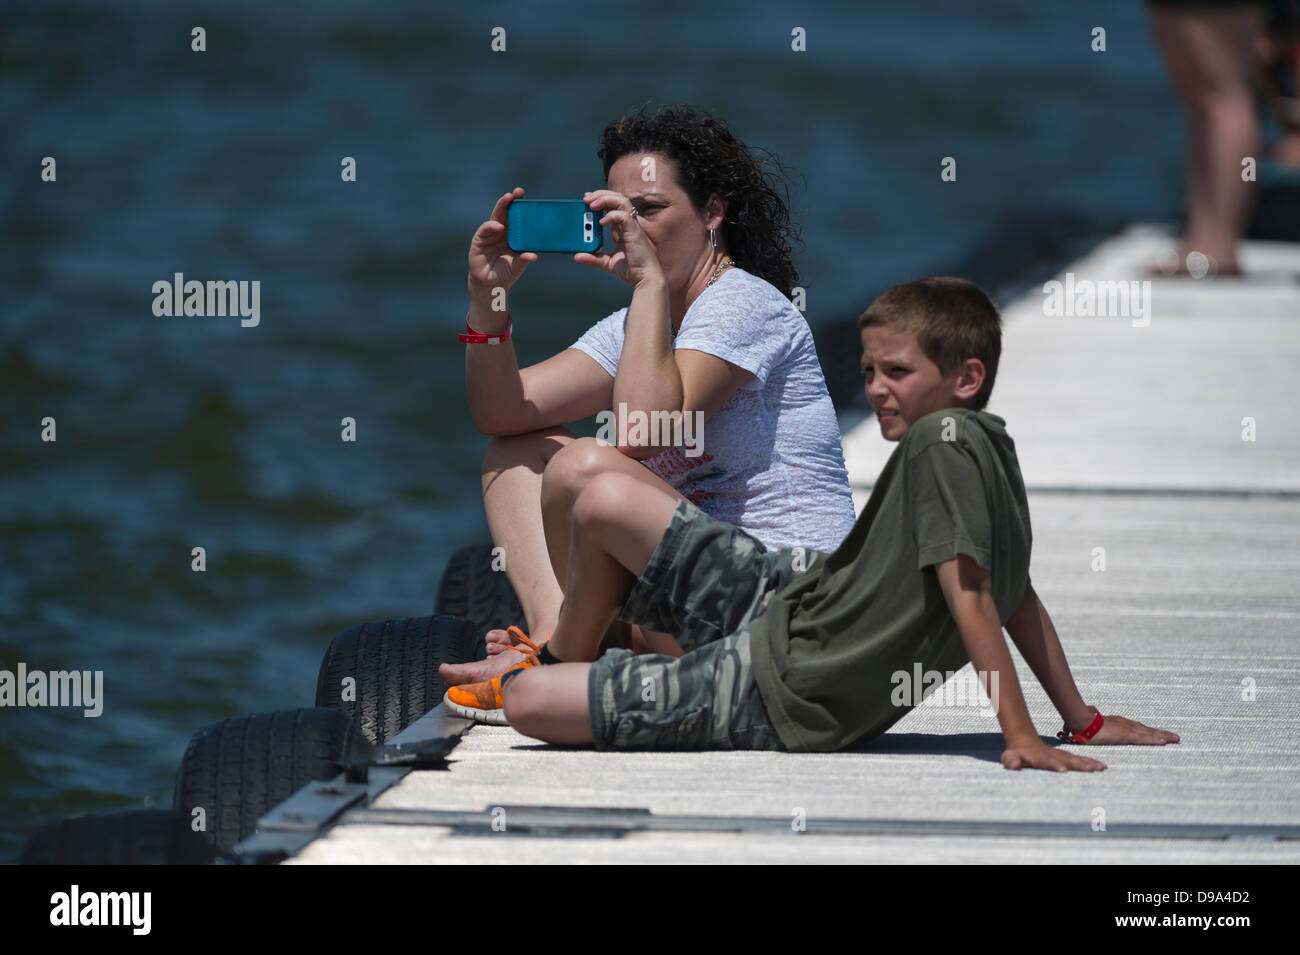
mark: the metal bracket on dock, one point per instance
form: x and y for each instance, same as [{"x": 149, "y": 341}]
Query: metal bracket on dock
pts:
[
  {"x": 306, "y": 814},
  {"x": 422, "y": 754}
]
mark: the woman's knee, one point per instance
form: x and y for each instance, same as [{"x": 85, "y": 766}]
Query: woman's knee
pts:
[{"x": 572, "y": 468}]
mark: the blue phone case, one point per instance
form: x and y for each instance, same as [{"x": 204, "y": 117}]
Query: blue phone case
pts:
[{"x": 553, "y": 225}]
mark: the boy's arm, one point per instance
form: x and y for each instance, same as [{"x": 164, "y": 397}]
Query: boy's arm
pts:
[
  {"x": 1031, "y": 628},
  {"x": 965, "y": 586}
]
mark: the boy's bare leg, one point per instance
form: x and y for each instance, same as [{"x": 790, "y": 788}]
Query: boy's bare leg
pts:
[{"x": 550, "y": 704}]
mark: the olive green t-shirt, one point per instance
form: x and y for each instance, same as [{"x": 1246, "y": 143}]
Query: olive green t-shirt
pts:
[{"x": 827, "y": 646}]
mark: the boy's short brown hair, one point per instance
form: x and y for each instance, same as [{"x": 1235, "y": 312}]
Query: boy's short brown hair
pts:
[{"x": 952, "y": 319}]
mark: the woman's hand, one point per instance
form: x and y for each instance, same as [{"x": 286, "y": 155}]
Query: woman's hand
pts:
[
  {"x": 492, "y": 263},
  {"x": 634, "y": 258}
]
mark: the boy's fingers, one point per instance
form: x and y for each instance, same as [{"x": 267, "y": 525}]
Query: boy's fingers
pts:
[
  {"x": 1153, "y": 734},
  {"x": 1087, "y": 765},
  {"x": 1080, "y": 764},
  {"x": 1054, "y": 760},
  {"x": 1131, "y": 732},
  {"x": 1159, "y": 737}
]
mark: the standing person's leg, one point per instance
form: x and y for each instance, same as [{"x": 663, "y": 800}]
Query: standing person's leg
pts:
[
  {"x": 1287, "y": 150},
  {"x": 1210, "y": 53}
]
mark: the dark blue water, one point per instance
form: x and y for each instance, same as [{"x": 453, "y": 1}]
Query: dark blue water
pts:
[{"x": 182, "y": 432}]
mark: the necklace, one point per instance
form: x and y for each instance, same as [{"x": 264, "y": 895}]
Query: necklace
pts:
[{"x": 724, "y": 264}]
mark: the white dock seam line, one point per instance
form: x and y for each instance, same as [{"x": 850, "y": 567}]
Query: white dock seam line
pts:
[{"x": 614, "y": 823}]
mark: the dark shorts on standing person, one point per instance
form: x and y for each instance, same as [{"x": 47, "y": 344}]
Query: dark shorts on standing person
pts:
[{"x": 705, "y": 582}]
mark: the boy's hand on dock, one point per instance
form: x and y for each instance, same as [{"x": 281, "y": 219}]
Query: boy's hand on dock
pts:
[
  {"x": 1115, "y": 731},
  {"x": 1039, "y": 755},
  {"x": 1118, "y": 731}
]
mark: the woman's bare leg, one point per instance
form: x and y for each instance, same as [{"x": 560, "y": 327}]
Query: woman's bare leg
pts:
[
  {"x": 512, "y": 499},
  {"x": 616, "y": 524},
  {"x": 567, "y": 475}
]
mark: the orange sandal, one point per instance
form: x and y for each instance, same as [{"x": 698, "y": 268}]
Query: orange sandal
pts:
[{"x": 485, "y": 701}]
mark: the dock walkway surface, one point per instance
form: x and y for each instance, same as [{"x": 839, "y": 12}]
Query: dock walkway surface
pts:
[{"x": 1161, "y": 449}]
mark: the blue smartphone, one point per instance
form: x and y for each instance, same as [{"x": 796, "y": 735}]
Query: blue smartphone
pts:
[{"x": 553, "y": 225}]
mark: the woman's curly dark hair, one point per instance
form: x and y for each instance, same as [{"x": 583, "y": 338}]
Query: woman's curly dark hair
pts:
[{"x": 756, "y": 228}]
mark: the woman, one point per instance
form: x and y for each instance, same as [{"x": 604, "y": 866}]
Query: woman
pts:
[{"x": 703, "y": 239}]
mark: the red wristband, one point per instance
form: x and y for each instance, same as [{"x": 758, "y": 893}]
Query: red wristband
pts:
[
  {"x": 472, "y": 337},
  {"x": 1093, "y": 728}
]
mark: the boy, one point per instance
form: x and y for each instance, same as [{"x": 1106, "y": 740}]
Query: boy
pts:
[{"x": 787, "y": 658}]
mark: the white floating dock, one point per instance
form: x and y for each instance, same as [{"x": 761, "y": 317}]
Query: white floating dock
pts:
[{"x": 1169, "y": 440}]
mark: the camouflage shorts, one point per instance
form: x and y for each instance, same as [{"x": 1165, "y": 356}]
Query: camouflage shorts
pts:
[
  {"x": 705, "y": 700},
  {"x": 706, "y": 581},
  {"x": 708, "y": 578}
]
